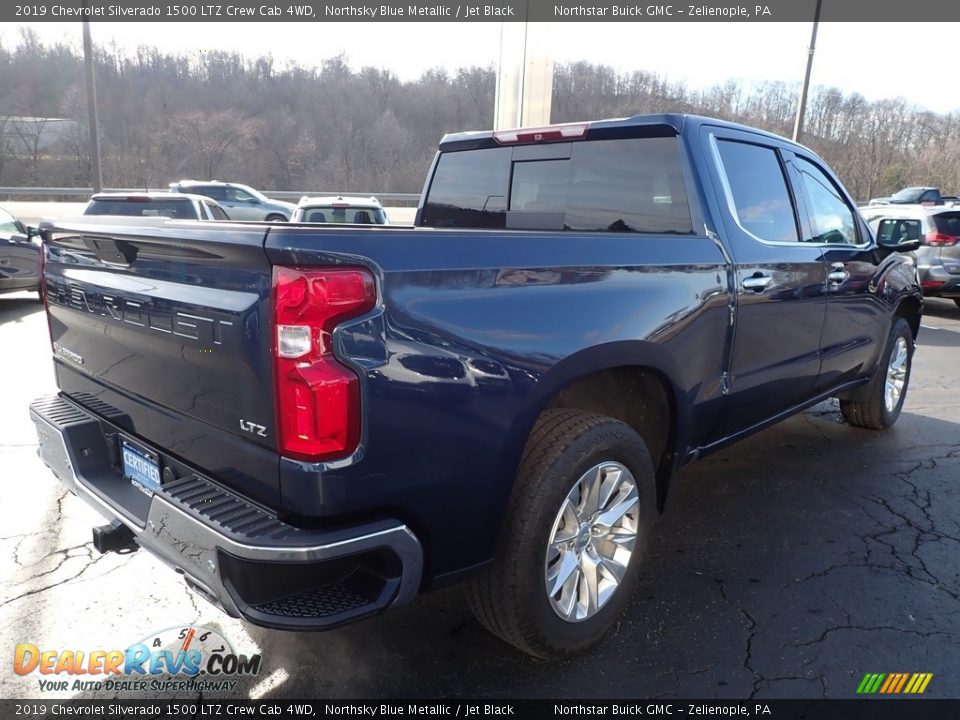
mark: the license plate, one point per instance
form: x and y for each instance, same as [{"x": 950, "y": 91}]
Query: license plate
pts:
[{"x": 141, "y": 467}]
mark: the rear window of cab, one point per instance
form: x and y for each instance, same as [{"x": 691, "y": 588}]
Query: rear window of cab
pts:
[{"x": 620, "y": 185}]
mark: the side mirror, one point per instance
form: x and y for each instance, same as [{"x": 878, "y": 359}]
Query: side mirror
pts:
[
  {"x": 904, "y": 246},
  {"x": 899, "y": 234}
]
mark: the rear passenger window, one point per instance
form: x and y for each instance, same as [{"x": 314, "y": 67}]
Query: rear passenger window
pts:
[
  {"x": 831, "y": 217},
  {"x": 469, "y": 189},
  {"x": 947, "y": 223},
  {"x": 758, "y": 189},
  {"x": 622, "y": 185}
]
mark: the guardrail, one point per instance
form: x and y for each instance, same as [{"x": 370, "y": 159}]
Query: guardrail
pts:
[{"x": 44, "y": 193}]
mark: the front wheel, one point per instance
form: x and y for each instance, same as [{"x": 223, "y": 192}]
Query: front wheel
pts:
[
  {"x": 578, "y": 522},
  {"x": 276, "y": 218},
  {"x": 957, "y": 302},
  {"x": 884, "y": 394}
]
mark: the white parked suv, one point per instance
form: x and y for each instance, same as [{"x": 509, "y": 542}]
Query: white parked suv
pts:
[{"x": 348, "y": 209}]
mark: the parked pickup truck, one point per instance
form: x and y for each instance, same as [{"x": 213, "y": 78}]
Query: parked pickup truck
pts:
[
  {"x": 917, "y": 196},
  {"x": 314, "y": 424}
]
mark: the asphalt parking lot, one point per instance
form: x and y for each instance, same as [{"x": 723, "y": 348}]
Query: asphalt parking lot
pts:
[{"x": 786, "y": 566}]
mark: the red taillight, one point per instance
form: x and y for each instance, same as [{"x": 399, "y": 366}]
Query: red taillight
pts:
[
  {"x": 318, "y": 399},
  {"x": 551, "y": 133},
  {"x": 932, "y": 284},
  {"x": 939, "y": 239}
]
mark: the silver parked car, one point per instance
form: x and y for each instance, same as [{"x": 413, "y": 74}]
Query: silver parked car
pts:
[
  {"x": 938, "y": 229},
  {"x": 240, "y": 201}
]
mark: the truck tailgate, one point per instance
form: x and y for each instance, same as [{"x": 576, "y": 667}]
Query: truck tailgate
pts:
[{"x": 165, "y": 328}]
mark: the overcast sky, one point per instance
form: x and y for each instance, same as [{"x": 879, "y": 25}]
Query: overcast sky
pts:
[{"x": 861, "y": 57}]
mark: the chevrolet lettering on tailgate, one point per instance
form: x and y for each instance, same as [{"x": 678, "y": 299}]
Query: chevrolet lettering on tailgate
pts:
[{"x": 143, "y": 313}]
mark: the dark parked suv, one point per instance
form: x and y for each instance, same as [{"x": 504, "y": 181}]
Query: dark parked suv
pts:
[
  {"x": 173, "y": 206},
  {"x": 19, "y": 255}
]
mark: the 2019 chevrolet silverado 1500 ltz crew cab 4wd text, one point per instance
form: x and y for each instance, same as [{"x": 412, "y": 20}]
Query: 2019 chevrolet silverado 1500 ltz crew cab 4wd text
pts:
[{"x": 314, "y": 424}]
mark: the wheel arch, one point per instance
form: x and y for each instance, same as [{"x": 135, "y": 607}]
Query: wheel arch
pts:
[
  {"x": 910, "y": 308},
  {"x": 606, "y": 380}
]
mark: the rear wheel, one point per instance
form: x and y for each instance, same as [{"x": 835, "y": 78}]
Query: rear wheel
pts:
[
  {"x": 957, "y": 301},
  {"x": 887, "y": 389},
  {"x": 276, "y": 218},
  {"x": 579, "y": 519}
]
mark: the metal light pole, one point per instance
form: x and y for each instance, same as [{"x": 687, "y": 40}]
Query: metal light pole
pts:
[
  {"x": 96, "y": 179},
  {"x": 524, "y": 75},
  {"x": 802, "y": 109}
]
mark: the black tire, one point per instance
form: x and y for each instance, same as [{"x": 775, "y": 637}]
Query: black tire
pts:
[
  {"x": 510, "y": 596},
  {"x": 957, "y": 302},
  {"x": 870, "y": 411},
  {"x": 276, "y": 218}
]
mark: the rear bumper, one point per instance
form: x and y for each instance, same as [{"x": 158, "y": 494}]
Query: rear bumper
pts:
[
  {"x": 937, "y": 281},
  {"x": 233, "y": 552}
]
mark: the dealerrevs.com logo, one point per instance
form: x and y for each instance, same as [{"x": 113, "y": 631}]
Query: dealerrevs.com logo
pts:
[{"x": 180, "y": 658}]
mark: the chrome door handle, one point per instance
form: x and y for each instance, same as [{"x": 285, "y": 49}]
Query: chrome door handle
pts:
[
  {"x": 757, "y": 283},
  {"x": 838, "y": 274}
]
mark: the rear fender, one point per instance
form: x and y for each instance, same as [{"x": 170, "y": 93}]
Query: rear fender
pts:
[{"x": 633, "y": 353}]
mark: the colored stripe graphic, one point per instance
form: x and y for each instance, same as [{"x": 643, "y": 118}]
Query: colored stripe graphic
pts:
[
  {"x": 870, "y": 683},
  {"x": 903, "y": 681},
  {"x": 894, "y": 683},
  {"x": 891, "y": 680}
]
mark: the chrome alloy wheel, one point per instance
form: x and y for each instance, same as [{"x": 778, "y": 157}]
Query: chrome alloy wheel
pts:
[
  {"x": 592, "y": 540},
  {"x": 896, "y": 374}
]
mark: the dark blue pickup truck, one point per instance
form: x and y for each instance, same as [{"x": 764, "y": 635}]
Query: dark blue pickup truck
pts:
[{"x": 314, "y": 424}]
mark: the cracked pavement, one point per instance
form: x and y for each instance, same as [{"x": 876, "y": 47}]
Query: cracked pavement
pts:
[{"x": 786, "y": 566}]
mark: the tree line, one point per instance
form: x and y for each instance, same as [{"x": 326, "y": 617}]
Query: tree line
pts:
[{"x": 282, "y": 126}]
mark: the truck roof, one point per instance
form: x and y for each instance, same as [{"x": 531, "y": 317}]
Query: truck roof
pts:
[{"x": 654, "y": 124}]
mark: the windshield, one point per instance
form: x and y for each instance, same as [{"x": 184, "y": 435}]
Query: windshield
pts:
[
  {"x": 349, "y": 215},
  {"x": 8, "y": 224},
  {"x": 910, "y": 194},
  {"x": 256, "y": 193}
]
